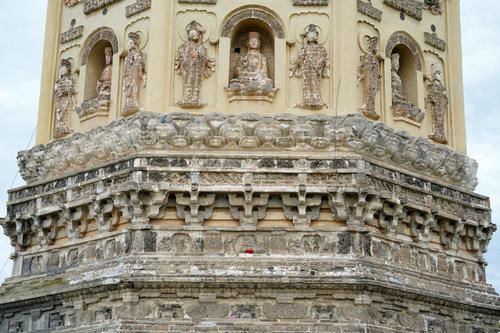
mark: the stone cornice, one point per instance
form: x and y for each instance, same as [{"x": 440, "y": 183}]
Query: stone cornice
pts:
[
  {"x": 251, "y": 134},
  {"x": 358, "y": 276}
]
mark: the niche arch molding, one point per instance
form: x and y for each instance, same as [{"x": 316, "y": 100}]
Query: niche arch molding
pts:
[
  {"x": 402, "y": 38},
  {"x": 103, "y": 34},
  {"x": 234, "y": 19}
]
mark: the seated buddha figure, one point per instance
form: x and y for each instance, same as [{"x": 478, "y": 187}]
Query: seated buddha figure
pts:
[{"x": 251, "y": 72}]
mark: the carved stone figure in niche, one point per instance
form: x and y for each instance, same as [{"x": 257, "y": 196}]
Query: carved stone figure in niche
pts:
[
  {"x": 369, "y": 73},
  {"x": 103, "y": 88},
  {"x": 64, "y": 100},
  {"x": 251, "y": 73},
  {"x": 400, "y": 104},
  {"x": 193, "y": 63},
  {"x": 311, "y": 65},
  {"x": 134, "y": 75},
  {"x": 104, "y": 83},
  {"x": 437, "y": 102}
]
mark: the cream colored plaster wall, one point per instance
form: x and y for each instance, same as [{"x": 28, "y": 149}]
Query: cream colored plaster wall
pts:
[{"x": 162, "y": 29}]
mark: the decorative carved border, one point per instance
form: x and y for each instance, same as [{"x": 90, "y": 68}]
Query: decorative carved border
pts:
[
  {"x": 435, "y": 41},
  {"x": 310, "y": 2},
  {"x": 104, "y": 34},
  {"x": 411, "y": 8},
  {"x": 71, "y": 34},
  {"x": 92, "y": 5},
  {"x": 207, "y": 2},
  {"x": 137, "y": 7},
  {"x": 259, "y": 14},
  {"x": 248, "y": 134},
  {"x": 399, "y": 38},
  {"x": 369, "y": 10}
]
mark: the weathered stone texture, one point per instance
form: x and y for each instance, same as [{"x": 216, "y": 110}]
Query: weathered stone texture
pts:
[
  {"x": 177, "y": 239},
  {"x": 435, "y": 41},
  {"x": 248, "y": 133},
  {"x": 71, "y": 34},
  {"x": 138, "y": 7},
  {"x": 367, "y": 8},
  {"x": 310, "y": 2},
  {"x": 90, "y": 6},
  {"x": 411, "y": 8},
  {"x": 211, "y": 2}
]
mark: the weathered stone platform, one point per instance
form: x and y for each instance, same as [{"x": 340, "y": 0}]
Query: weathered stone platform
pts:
[{"x": 248, "y": 223}]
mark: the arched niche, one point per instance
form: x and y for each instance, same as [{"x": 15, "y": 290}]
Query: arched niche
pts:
[
  {"x": 255, "y": 14},
  {"x": 237, "y": 27},
  {"x": 94, "y": 59},
  {"x": 105, "y": 34},
  {"x": 410, "y": 62},
  {"x": 239, "y": 41}
]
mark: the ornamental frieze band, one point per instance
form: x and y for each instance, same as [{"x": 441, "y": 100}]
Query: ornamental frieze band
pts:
[
  {"x": 71, "y": 34},
  {"x": 411, "y": 8},
  {"x": 310, "y": 2},
  {"x": 368, "y": 9},
  {"x": 136, "y": 8},
  {"x": 435, "y": 41},
  {"x": 247, "y": 132},
  {"x": 90, "y": 6}
]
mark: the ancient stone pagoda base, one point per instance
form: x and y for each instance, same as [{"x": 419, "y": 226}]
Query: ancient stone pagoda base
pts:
[{"x": 247, "y": 224}]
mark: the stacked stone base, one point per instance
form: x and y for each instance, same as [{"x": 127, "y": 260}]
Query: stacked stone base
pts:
[
  {"x": 247, "y": 293},
  {"x": 351, "y": 227}
]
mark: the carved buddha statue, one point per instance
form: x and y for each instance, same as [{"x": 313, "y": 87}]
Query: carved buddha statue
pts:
[
  {"x": 400, "y": 104},
  {"x": 251, "y": 72}
]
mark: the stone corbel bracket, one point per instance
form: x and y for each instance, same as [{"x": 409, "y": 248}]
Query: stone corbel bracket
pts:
[{"x": 363, "y": 195}]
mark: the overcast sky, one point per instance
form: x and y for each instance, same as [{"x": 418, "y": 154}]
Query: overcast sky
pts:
[{"x": 21, "y": 42}]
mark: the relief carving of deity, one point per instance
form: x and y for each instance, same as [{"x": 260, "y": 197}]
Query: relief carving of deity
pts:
[
  {"x": 369, "y": 73},
  {"x": 103, "y": 87},
  {"x": 193, "y": 63},
  {"x": 437, "y": 102},
  {"x": 134, "y": 75},
  {"x": 251, "y": 72},
  {"x": 400, "y": 104},
  {"x": 311, "y": 65},
  {"x": 64, "y": 100}
]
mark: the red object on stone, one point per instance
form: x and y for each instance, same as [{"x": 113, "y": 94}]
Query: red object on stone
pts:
[{"x": 250, "y": 251}]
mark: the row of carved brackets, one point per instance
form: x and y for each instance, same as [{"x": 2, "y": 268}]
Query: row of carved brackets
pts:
[{"x": 140, "y": 203}]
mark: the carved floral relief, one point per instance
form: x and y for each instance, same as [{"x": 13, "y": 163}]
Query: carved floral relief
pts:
[
  {"x": 311, "y": 65},
  {"x": 434, "y": 6}
]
